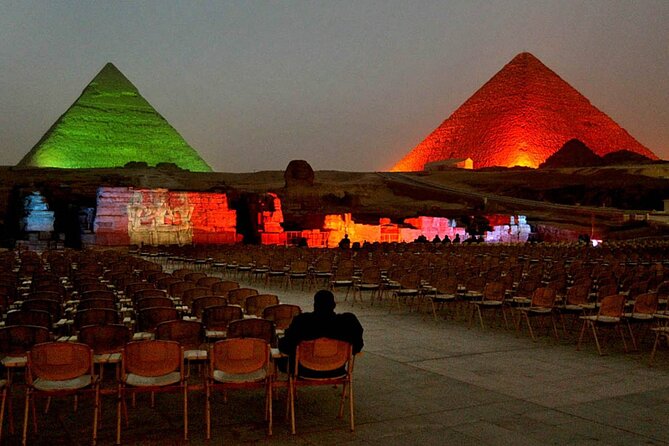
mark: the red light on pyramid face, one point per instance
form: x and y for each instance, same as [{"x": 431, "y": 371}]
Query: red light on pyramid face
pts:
[{"x": 520, "y": 117}]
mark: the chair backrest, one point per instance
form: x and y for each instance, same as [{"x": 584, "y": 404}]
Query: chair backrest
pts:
[
  {"x": 16, "y": 340},
  {"x": 543, "y": 297},
  {"x": 104, "y": 339},
  {"x": 87, "y": 304},
  {"x": 612, "y": 305},
  {"x": 97, "y": 294},
  {"x": 59, "y": 361},
  {"x": 148, "y": 292},
  {"x": 494, "y": 291},
  {"x": 578, "y": 294},
  {"x": 189, "y": 334},
  {"x": 95, "y": 316},
  {"x": 194, "y": 277},
  {"x": 51, "y": 295},
  {"x": 218, "y": 317},
  {"x": 152, "y": 358},
  {"x": 371, "y": 275},
  {"x": 223, "y": 287},
  {"x": 177, "y": 289},
  {"x": 239, "y": 356},
  {"x": 40, "y": 318},
  {"x": 165, "y": 282},
  {"x": 323, "y": 354},
  {"x": 149, "y": 302},
  {"x": 238, "y": 296},
  {"x": 252, "y": 328},
  {"x": 91, "y": 286},
  {"x": 49, "y": 305},
  {"x": 254, "y": 305},
  {"x": 646, "y": 303},
  {"x": 181, "y": 273},
  {"x": 191, "y": 294},
  {"x": 132, "y": 288},
  {"x": 201, "y": 303},
  {"x": 208, "y": 282},
  {"x": 149, "y": 318},
  {"x": 282, "y": 314}
]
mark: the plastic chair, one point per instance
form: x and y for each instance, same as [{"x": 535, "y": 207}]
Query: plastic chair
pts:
[
  {"x": 189, "y": 334},
  {"x": 610, "y": 315},
  {"x": 107, "y": 342},
  {"x": 152, "y": 366},
  {"x": 254, "y": 305},
  {"x": 239, "y": 363},
  {"x": 323, "y": 355},
  {"x": 282, "y": 315},
  {"x": 216, "y": 319},
  {"x": 252, "y": 328},
  {"x": 60, "y": 369}
]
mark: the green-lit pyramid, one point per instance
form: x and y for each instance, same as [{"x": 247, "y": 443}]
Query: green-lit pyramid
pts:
[{"x": 109, "y": 125}]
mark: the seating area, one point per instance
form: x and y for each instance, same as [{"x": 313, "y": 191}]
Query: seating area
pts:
[{"x": 144, "y": 291}]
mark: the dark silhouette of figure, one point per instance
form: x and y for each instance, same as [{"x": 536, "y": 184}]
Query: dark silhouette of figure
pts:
[
  {"x": 436, "y": 239},
  {"x": 323, "y": 322},
  {"x": 345, "y": 243},
  {"x": 446, "y": 240},
  {"x": 457, "y": 238}
]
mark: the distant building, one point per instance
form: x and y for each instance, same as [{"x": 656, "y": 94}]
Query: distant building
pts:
[{"x": 450, "y": 163}]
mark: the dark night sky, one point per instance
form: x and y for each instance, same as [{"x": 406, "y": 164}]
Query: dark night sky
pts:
[{"x": 346, "y": 85}]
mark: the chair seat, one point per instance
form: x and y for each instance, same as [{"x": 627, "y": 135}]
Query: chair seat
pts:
[
  {"x": 224, "y": 377},
  {"x": 489, "y": 303},
  {"x": 146, "y": 381},
  {"x": 215, "y": 334},
  {"x": 444, "y": 297},
  {"x": 14, "y": 361},
  {"x": 639, "y": 316},
  {"x": 143, "y": 336},
  {"x": 48, "y": 385},
  {"x": 538, "y": 310},
  {"x": 573, "y": 307},
  {"x": 604, "y": 319},
  {"x": 195, "y": 355},
  {"x": 107, "y": 358}
]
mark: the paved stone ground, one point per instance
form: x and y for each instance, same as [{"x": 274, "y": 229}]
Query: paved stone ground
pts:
[{"x": 423, "y": 382}]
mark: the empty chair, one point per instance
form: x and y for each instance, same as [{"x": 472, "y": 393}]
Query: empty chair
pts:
[
  {"x": 610, "y": 315},
  {"x": 221, "y": 288},
  {"x": 282, "y": 315},
  {"x": 194, "y": 277},
  {"x": 107, "y": 342},
  {"x": 492, "y": 300},
  {"x": 39, "y": 318},
  {"x": 51, "y": 306},
  {"x": 643, "y": 313},
  {"x": 208, "y": 282},
  {"x": 298, "y": 270},
  {"x": 252, "y": 328},
  {"x": 342, "y": 278},
  {"x": 330, "y": 362},
  {"x": 149, "y": 302},
  {"x": 148, "y": 292},
  {"x": 238, "y": 296},
  {"x": 95, "y": 316},
  {"x": 149, "y": 318},
  {"x": 189, "y": 334},
  {"x": 370, "y": 280},
  {"x": 193, "y": 293},
  {"x": 201, "y": 303},
  {"x": 216, "y": 319},
  {"x": 254, "y": 305},
  {"x": 97, "y": 294},
  {"x": 152, "y": 366},
  {"x": 50, "y": 295},
  {"x": 88, "y": 304},
  {"x": 239, "y": 363},
  {"x": 542, "y": 305},
  {"x": 60, "y": 369}
]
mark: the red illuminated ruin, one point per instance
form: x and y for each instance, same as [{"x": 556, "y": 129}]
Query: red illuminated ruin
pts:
[{"x": 521, "y": 116}]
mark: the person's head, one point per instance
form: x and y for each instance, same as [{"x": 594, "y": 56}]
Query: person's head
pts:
[{"x": 324, "y": 302}]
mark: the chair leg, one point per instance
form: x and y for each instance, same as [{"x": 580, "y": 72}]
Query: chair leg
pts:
[
  {"x": 2, "y": 409},
  {"x": 291, "y": 394},
  {"x": 580, "y": 337},
  {"x": 652, "y": 353},
  {"x": 594, "y": 333},
  {"x": 119, "y": 398},
  {"x": 185, "y": 396},
  {"x": 26, "y": 414},
  {"x": 96, "y": 414},
  {"x": 529, "y": 325},
  {"x": 207, "y": 410}
]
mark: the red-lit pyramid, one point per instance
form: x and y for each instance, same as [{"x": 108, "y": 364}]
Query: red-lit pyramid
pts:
[{"x": 520, "y": 117}]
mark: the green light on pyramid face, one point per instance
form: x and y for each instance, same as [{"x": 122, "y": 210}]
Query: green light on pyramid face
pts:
[{"x": 110, "y": 125}]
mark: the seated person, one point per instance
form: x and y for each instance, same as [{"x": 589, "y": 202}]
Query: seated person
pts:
[{"x": 323, "y": 322}]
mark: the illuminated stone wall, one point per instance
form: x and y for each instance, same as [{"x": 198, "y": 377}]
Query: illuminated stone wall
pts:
[
  {"x": 521, "y": 116},
  {"x": 162, "y": 217}
]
